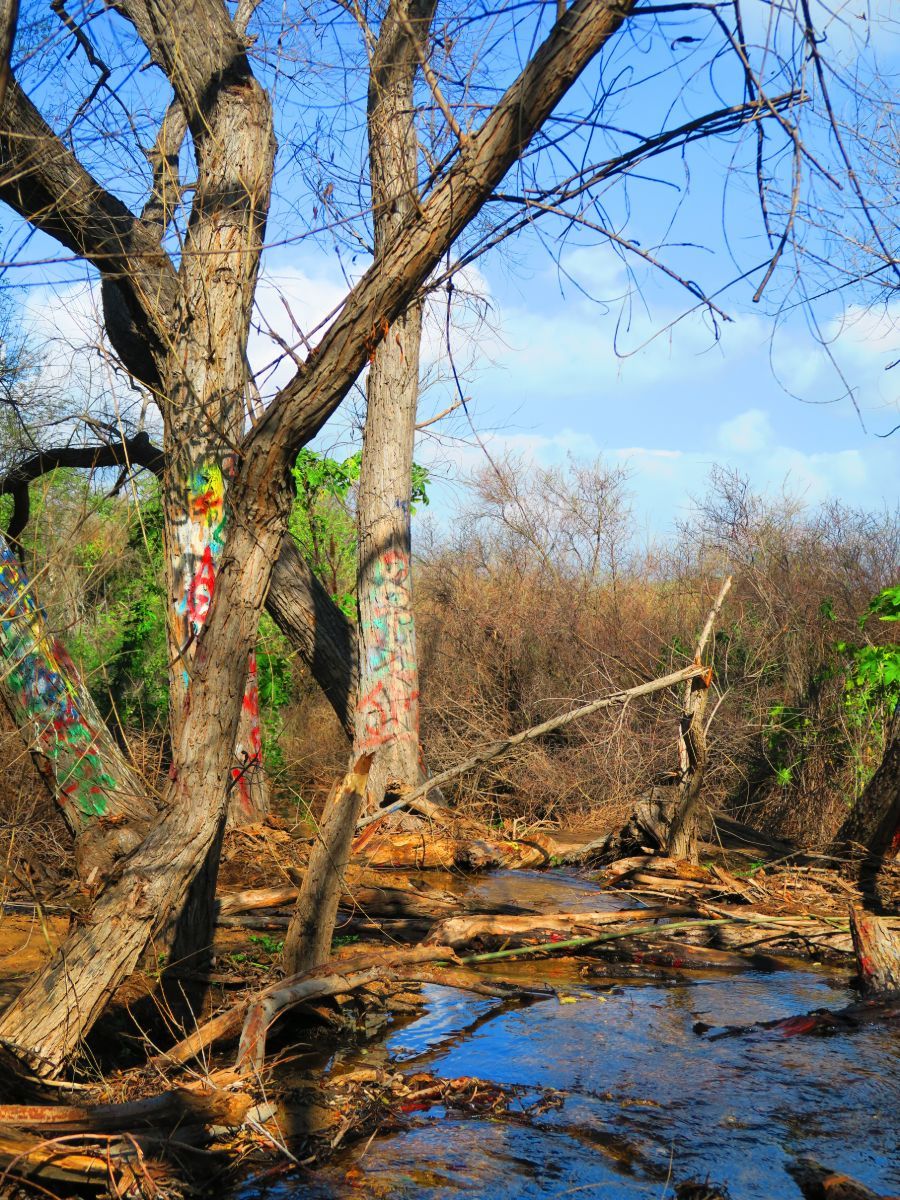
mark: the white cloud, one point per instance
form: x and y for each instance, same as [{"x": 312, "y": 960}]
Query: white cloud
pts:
[{"x": 746, "y": 433}]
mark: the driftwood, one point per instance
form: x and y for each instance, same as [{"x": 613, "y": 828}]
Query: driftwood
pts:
[
  {"x": 423, "y": 849},
  {"x": 335, "y": 977},
  {"x": 119, "y": 1146},
  {"x": 496, "y": 749},
  {"x": 169, "y": 1110},
  {"x": 462, "y": 931},
  {"x": 365, "y": 894},
  {"x": 277, "y": 998}
]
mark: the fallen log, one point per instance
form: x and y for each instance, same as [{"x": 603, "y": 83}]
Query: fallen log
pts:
[
  {"x": 462, "y": 931},
  {"x": 682, "y": 956},
  {"x": 277, "y": 998},
  {"x": 169, "y": 1110},
  {"x": 337, "y": 976},
  {"x": 422, "y": 849},
  {"x": 877, "y": 953},
  {"x": 822, "y": 1183}
]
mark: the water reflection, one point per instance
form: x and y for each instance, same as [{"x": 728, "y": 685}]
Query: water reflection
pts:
[{"x": 646, "y": 1100}]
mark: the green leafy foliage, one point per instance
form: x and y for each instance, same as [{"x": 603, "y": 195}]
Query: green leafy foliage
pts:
[
  {"x": 323, "y": 518},
  {"x": 872, "y": 687}
]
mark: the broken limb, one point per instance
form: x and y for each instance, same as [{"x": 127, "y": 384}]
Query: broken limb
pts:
[
  {"x": 495, "y": 749},
  {"x": 309, "y": 935},
  {"x": 681, "y": 841}
]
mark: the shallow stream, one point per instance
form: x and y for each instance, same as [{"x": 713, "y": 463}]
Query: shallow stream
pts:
[{"x": 647, "y": 1102}]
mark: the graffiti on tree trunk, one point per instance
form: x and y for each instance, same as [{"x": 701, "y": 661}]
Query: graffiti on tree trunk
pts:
[
  {"x": 201, "y": 540},
  {"x": 43, "y": 684},
  {"x": 388, "y": 707},
  {"x": 249, "y": 756}
]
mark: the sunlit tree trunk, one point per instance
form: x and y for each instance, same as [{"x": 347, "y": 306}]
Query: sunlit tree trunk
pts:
[
  {"x": 387, "y": 714},
  {"x": 197, "y": 531}
]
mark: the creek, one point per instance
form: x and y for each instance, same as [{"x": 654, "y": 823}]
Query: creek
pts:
[{"x": 644, "y": 1102}]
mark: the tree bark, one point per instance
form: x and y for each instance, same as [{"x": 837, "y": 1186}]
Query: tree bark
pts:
[
  {"x": 874, "y": 821},
  {"x": 683, "y": 830},
  {"x": 44, "y": 1024},
  {"x": 308, "y": 940},
  {"x": 877, "y": 952},
  {"x": 297, "y": 600},
  {"x": 387, "y": 712},
  {"x": 104, "y": 801}
]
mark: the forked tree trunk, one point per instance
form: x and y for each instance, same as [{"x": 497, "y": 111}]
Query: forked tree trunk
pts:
[
  {"x": 44, "y": 1024},
  {"x": 201, "y": 320},
  {"x": 387, "y": 715},
  {"x": 874, "y": 821},
  {"x": 104, "y": 801}
]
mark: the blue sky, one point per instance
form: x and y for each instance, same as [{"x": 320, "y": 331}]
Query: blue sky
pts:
[{"x": 569, "y": 349}]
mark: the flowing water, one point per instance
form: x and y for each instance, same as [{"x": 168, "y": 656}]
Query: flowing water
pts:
[{"x": 646, "y": 1101}]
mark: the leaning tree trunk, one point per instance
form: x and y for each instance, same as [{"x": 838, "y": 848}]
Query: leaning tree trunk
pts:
[
  {"x": 874, "y": 821},
  {"x": 104, "y": 801},
  {"x": 387, "y": 716},
  {"x": 308, "y": 940}
]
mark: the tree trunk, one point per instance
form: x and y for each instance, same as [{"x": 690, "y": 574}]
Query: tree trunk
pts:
[
  {"x": 683, "y": 829},
  {"x": 316, "y": 628},
  {"x": 874, "y": 821},
  {"x": 308, "y": 940},
  {"x": 197, "y": 500},
  {"x": 103, "y": 799},
  {"x": 165, "y": 875},
  {"x": 387, "y": 715},
  {"x": 877, "y": 952}
]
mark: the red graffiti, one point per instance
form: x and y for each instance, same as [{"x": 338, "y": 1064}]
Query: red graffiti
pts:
[
  {"x": 205, "y": 501},
  {"x": 238, "y": 774},
  {"x": 250, "y": 706},
  {"x": 200, "y": 591}
]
